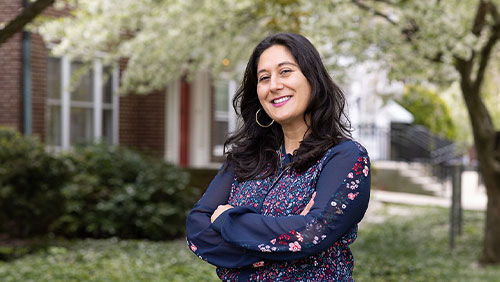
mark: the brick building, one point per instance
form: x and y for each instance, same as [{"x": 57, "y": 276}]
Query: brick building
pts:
[{"x": 186, "y": 123}]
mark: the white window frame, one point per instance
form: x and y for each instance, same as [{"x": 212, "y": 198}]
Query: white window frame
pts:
[
  {"x": 229, "y": 116},
  {"x": 97, "y": 104}
]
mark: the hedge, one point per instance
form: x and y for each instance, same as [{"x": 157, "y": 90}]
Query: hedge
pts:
[{"x": 94, "y": 191}]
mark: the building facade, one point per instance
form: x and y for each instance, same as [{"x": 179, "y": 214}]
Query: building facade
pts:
[{"x": 65, "y": 102}]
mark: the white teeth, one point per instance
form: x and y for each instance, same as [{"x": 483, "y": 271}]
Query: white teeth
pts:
[{"x": 281, "y": 100}]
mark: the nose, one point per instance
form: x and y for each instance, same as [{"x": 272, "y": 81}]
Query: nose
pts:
[{"x": 275, "y": 83}]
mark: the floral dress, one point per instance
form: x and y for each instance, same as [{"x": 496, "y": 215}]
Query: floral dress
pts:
[{"x": 264, "y": 237}]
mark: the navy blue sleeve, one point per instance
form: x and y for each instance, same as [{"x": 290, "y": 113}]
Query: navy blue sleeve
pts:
[
  {"x": 342, "y": 195},
  {"x": 202, "y": 239}
]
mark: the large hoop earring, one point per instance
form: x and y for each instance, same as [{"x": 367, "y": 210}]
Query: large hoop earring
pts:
[{"x": 257, "y": 119}]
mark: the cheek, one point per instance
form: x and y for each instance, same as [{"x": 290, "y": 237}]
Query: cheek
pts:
[
  {"x": 307, "y": 93},
  {"x": 261, "y": 94}
]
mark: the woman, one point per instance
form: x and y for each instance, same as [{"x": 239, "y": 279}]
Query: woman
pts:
[{"x": 286, "y": 203}]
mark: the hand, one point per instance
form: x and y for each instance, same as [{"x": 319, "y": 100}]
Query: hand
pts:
[
  {"x": 220, "y": 209},
  {"x": 309, "y": 205},
  {"x": 258, "y": 264}
]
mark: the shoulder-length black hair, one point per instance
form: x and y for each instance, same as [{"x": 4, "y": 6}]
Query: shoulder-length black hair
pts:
[{"x": 252, "y": 149}]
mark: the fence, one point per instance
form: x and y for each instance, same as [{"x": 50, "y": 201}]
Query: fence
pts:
[{"x": 414, "y": 143}]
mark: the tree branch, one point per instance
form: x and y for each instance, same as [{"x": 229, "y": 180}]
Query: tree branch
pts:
[
  {"x": 482, "y": 126},
  {"x": 480, "y": 18},
  {"x": 464, "y": 68},
  {"x": 494, "y": 13},
  {"x": 486, "y": 50},
  {"x": 485, "y": 56},
  {"x": 437, "y": 58},
  {"x": 25, "y": 17},
  {"x": 372, "y": 10}
]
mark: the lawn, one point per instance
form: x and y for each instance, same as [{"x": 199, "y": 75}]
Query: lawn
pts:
[
  {"x": 110, "y": 260},
  {"x": 414, "y": 246},
  {"x": 410, "y": 245}
]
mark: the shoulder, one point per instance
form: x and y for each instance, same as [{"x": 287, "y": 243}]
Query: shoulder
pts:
[
  {"x": 348, "y": 151},
  {"x": 350, "y": 146}
]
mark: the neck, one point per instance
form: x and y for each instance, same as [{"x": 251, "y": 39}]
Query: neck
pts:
[{"x": 293, "y": 136}]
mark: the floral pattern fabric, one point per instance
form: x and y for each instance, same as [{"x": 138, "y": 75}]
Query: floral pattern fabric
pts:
[{"x": 273, "y": 241}]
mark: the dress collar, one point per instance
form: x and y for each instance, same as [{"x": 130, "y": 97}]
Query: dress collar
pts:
[{"x": 285, "y": 158}]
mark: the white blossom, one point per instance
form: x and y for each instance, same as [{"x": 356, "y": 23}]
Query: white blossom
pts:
[{"x": 165, "y": 39}]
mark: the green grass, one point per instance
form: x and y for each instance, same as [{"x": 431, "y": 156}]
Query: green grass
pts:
[
  {"x": 415, "y": 248},
  {"x": 110, "y": 260},
  {"x": 405, "y": 248}
]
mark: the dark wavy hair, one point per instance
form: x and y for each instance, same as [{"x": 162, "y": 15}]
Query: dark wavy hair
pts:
[{"x": 251, "y": 150}]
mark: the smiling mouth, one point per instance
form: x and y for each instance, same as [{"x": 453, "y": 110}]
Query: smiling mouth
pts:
[{"x": 281, "y": 100}]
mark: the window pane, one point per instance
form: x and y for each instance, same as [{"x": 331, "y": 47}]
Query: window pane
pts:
[
  {"x": 220, "y": 132},
  {"x": 82, "y": 125},
  {"x": 81, "y": 82},
  {"x": 107, "y": 87},
  {"x": 221, "y": 96},
  {"x": 54, "y": 78},
  {"x": 107, "y": 126},
  {"x": 53, "y": 126}
]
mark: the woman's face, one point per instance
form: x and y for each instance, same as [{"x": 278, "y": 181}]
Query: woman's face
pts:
[{"x": 283, "y": 90}]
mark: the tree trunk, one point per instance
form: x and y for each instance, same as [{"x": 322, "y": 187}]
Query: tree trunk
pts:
[
  {"x": 491, "y": 244},
  {"x": 491, "y": 176},
  {"x": 488, "y": 152}
]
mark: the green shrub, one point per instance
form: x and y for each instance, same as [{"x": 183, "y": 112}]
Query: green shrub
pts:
[
  {"x": 201, "y": 177},
  {"x": 119, "y": 192},
  {"x": 31, "y": 183},
  {"x": 429, "y": 110},
  {"x": 95, "y": 191}
]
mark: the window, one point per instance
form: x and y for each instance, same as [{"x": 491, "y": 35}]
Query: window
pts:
[
  {"x": 224, "y": 118},
  {"x": 53, "y": 112},
  {"x": 81, "y": 105}
]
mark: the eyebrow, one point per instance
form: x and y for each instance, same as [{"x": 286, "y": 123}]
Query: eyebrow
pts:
[{"x": 279, "y": 65}]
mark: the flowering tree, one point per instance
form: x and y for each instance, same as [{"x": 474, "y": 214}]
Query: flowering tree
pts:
[
  {"x": 164, "y": 39},
  {"x": 432, "y": 41},
  {"x": 441, "y": 42}
]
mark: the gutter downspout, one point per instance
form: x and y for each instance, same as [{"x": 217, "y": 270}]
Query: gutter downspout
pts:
[
  {"x": 26, "y": 81},
  {"x": 184, "y": 120}
]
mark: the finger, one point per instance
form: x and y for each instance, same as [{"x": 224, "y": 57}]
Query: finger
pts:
[
  {"x": 306, "y": 209},
  {"x": 311, "y": 202},
  {"x": 309, "y": 205},
  {"x": 258, "y": 264},
  {"x": 220, "y": 209},
  {"x": 227, "y": 207}
]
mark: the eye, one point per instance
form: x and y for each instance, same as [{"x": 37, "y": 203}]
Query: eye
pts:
[
  {"x": 264, "y": 77},
  {"x": 285, "y": 71}
]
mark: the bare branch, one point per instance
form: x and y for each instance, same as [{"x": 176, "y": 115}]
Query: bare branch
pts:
[
  {"x": 494, "y": 12},
  {"x": 410, "y": 30},
  {"x": 480, "y": 18},
  {"x": 25, "y": 17},
  {"x": 486, "y": 50},
  {"x": 437, "y": 58},
  {"x": 485, "y": 55},
  {"x": 373, "y": 10}
]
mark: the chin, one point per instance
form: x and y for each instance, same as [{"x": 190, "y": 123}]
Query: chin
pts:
[{"x": 280, "y": 120}]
